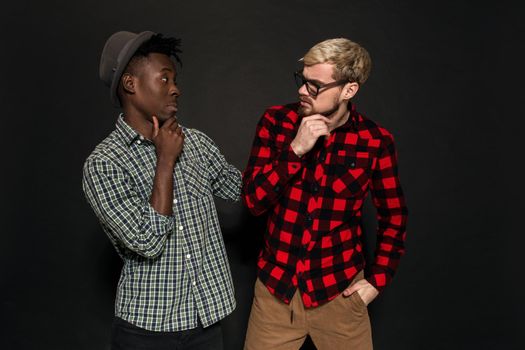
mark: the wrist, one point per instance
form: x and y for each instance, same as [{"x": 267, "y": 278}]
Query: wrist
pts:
[
  {"x": 165, "y": 162},
  {"x": 296, "y": 149}
]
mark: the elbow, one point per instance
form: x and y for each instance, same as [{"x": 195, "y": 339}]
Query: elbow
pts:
[
  {"x": 237, "y": 196},
  {"x": 254, "y": 207},
  {"x": 149, "y": 246},
  {"x": 150, "y": 251},
  {"x": 257, "y": 211}
]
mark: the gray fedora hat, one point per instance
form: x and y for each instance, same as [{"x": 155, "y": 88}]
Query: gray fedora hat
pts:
[{"x": 117, "y": 52}]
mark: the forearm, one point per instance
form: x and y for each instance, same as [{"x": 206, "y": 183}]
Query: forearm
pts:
[
  {"x": 143, "y": 231},
  {"x": 390, "y": 246},
  {"x": 162, "y": 193},
  {"x": 264, "y": 183},
  {"x": 392, "y": 216},
  {"x": 127, "y": 216},
  {"x": 272, "y": 164}
]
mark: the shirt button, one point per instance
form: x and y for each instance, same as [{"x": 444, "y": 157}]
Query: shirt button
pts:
[
  {"x": 277, "y": 188},
  {"x": 308, "y": 219},
  {"x": 352, "y": 165},
  {"x": 175, "y": 200},
  {"x": 194, "y": 283},
  {"x": 188, "y": 256},
  {"x": 139, "y": 142},
  {"x": 181, "y": 228},
  {"x": 141, "y": 137}
]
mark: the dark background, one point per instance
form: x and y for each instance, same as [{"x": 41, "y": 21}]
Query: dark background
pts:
[{"x": 446, "y": 81}]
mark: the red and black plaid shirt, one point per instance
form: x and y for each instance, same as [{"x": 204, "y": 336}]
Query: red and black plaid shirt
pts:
[{"x": 312, "y": 241}]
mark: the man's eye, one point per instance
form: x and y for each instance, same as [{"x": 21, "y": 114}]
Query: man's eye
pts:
[
  {"x": 164, "y": 79},
  {"x": 312, "y": 85}
]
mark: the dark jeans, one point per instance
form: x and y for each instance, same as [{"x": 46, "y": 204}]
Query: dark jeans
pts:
[{"x": 126, "y": 336}]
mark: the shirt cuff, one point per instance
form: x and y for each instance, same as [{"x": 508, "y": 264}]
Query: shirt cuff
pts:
[
  {"x": 161, "y": 224},
  {"x": 379, "y": 278},
  {"x": 292, "y": 160}
]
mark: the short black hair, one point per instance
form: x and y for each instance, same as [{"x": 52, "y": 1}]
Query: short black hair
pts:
[
  {"x": 168, "y": 46},
  {"x": 160, "y": 44}
]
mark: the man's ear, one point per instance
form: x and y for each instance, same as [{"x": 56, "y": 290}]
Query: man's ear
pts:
[
  {"x": 349, "y": 90},
  {"x": 128, "y": 83}
]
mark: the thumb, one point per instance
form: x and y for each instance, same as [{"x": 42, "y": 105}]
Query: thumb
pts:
[
  {"x": 155, "y": 126},
  {"x": 349, "y": 291}
]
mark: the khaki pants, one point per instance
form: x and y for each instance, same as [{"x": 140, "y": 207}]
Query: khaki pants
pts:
[{"x": 342, "y": 323}]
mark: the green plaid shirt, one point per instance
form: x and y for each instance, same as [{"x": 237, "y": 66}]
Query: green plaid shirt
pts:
[{"x": 175, "y": 267}]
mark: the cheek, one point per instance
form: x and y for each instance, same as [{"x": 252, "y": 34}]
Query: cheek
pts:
[
  {"x": 152, "y": 86},
  {"x": 155, "y": 95},
  {"x": 337, "y": 99},
  {"x": 153, "y": 89},
  {"x": 322, "y": 102},
  {"x": 144, "y": 91}
]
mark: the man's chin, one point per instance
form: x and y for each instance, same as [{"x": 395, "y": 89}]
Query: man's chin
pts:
[
  {"x": 162, "y": 117},
  {"x": 304, "y": 111}
]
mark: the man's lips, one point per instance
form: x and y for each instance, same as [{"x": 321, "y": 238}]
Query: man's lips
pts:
[
  {"x": 173, "y": 107},
  {"x": 305, "y": 102}
]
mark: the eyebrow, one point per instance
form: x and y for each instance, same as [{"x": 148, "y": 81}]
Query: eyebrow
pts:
[{"x": 315, "y": 81}]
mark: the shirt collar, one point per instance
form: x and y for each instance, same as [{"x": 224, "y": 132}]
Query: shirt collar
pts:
[
  {"x": 128, "y": 134},
  {"x": 352, "y": 121}
]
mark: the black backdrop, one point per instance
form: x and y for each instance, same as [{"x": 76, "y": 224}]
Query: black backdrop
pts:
[{"x": 446, "y": 82}]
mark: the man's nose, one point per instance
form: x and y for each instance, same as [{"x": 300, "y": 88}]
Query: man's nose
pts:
[
  {"x": 175, "y": 90},
  {"x": 303, "y": 91}
]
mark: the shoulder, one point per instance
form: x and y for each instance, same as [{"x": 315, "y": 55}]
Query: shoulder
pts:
[
  {"x": 197, "y": 144},
  {"x": 281, "y": 113},
  {"x": 107, "y": 152},
  {"x": 369, "y": 129},
  {"x": 283, "y": 109},
  {"x": 197, "y": 136}
]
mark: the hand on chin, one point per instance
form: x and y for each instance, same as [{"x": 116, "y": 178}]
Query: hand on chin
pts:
[
  {"x": 163, "y": 117},
  {"x": 305, "y": 110}
]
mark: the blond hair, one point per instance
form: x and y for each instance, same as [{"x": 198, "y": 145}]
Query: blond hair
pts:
[{"x": 351, "y": 61}]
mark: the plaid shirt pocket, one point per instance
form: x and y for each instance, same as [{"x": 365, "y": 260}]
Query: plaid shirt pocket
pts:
[
  {"x": 351, "y": 173},
  {"x": 196, "y": 179}
]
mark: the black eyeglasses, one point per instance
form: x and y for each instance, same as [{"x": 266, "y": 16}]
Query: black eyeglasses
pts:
[{"x": 314, "y": 88}]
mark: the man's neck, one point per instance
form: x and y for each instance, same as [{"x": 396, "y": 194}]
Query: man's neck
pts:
[
  {"x": 138, "y": 122},
  {"x": 339, "y": 117}
]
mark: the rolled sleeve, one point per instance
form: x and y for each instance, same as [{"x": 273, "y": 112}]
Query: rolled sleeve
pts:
[{"x": 130, "y": 219}]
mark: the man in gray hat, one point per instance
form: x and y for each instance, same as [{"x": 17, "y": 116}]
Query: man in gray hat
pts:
[{"x": 151, "y": 183}]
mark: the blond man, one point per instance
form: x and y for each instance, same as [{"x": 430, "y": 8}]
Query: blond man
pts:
[{"x": 311, "y": 166}]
